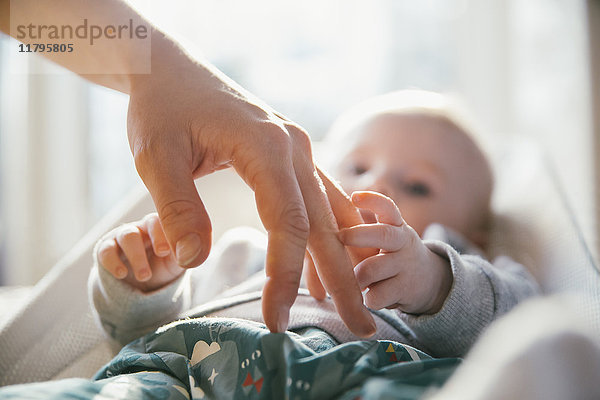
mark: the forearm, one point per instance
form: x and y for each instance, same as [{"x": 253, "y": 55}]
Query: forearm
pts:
[
  {"x": 122, "y": 47},
  {"x": 480, "y": 293}
]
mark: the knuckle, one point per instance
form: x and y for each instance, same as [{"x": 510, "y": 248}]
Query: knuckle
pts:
[
  {"x": 295, "y": 224},
  {"x": 388, "y": 234},
  {"x": 318, "y": 234},
  {"x": 300, "y": 138},
  {"x": 374, "y": 300},
  {"x": 409, "y": 236},
  {"x": 176, "y": 209},
  {"x": 276, "y": 137}
]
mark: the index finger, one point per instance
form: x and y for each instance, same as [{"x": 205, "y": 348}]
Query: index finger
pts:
[
  {"x": 346, "y": 214},
  {"x": 281, "y": 210},
  {"x": 332, "y": 261}
]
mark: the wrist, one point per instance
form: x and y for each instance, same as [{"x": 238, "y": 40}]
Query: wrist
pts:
[
  {"x": 442, "y": 280},
  {"x": 165, "y": 58},
  {"x": 169, "y": 64}
]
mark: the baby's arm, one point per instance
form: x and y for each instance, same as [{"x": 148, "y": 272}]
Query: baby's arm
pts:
[
  {"x": 481, "y": 293},
  {"x": 136, "y": 285},
  {"x": 476, "y": 293},
  {"x": 128, "y": 307},
  {"x": 405, "y": 274}
]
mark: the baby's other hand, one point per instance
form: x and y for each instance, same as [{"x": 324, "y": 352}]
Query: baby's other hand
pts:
[
  {"x": 138, "y": 253},
  {"x": 405, "y": 274}
]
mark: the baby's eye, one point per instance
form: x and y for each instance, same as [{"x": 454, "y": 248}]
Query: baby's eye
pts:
[{"x": 417, "y": 189}]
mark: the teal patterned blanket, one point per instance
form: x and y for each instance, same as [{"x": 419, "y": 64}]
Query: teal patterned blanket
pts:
[{"x": 211, "y": 358}]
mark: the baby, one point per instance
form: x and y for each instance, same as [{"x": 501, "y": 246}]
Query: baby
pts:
[{"x": 423, "y": 187}]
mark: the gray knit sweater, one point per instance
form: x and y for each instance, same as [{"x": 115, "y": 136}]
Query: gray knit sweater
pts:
[{"x": 228, "y": 284}]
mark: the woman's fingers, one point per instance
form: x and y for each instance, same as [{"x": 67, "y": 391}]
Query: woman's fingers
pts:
[
  {"x": 129, "y": 238},
  {"x": 282, "y": 211},
  {"x": 109, "y": 258},
  {"x": 294, "y": 209},
  {"x": 335, "y": 269},
  {"x": 315, "y": 287},
  {"x": 164, "y": 161},
  {"x": 346, "y": 214},
  {"x": 384, "y": 208}
]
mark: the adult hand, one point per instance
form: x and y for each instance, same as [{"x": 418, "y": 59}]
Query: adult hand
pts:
[
  {"x": 346, "y": 215},
  {"x": 187, "y": 120}
]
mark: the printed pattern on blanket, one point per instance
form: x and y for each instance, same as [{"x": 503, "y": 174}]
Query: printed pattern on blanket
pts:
[{"x": 213, "y": 358}]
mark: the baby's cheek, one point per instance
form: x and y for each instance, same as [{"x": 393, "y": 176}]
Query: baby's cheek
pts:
[
  {"x": 417, "y": 219},
  {"x": 416, "y": 225}
]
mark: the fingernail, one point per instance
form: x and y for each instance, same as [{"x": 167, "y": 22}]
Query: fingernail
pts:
[
  {"x": 121, "y": 273},
  {"x": 187, "y": 249},
  {"x": 144, "y": 275},
  {"x": 163, "y": 250}
]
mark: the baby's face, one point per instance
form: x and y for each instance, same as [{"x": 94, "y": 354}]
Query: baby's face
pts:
[{"x": 430, "y": 169}]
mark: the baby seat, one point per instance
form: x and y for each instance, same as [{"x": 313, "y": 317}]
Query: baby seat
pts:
[{"x": 52, "y": 335}]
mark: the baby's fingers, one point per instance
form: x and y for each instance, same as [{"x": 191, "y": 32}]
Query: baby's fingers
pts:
[
  {"x": 108, "y": 257},
  {"x": 383, "y": 294},
  {"x": 129, "y": 238},
  {"x": 374, "y": 269},
  {"x": 155, "y": 231},
  {"x": 384, "y": 208},
  {"x": 386, "y": 237}
]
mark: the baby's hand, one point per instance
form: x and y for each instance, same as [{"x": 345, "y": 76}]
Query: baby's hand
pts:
[
  {"x": 405, "y": 274},
  {"x": 139, "y": 254}
]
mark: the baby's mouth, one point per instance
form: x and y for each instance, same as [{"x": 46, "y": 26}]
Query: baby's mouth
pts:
[{"x": 368, "y": 216}]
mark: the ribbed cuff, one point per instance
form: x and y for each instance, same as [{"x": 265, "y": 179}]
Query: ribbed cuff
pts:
[
  {"x": 468, "y": 309},
  {"x": 127, "y": 313}
]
